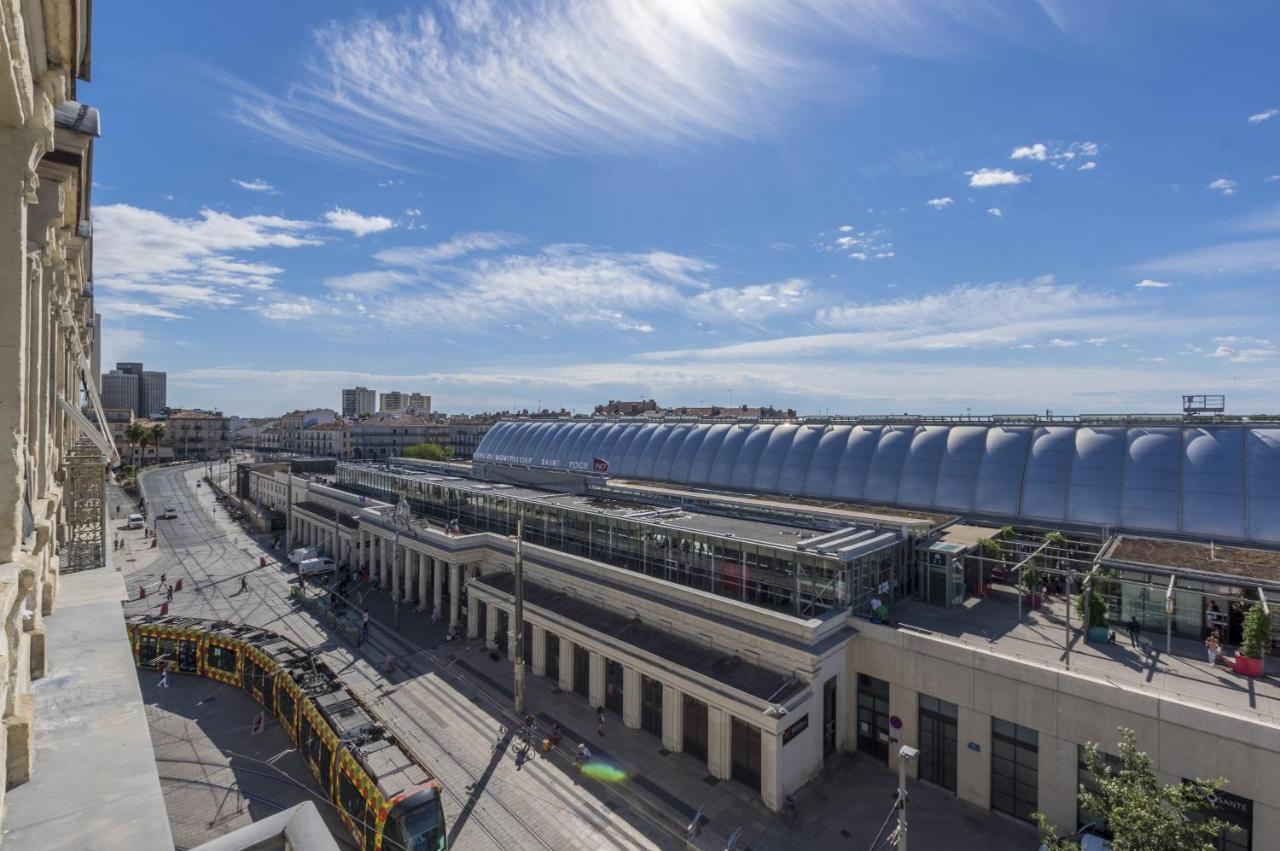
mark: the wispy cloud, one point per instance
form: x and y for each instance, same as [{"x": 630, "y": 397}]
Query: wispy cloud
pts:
[
  {"x": 996, "y": 211},
  {"x": 340, "y": 218},
  {"x": 987, "y": 177},
  {"x": 1150, "y": 284},
  {"x": 458, "y": 246},
  {"x": 1265, "y": 115},
  {"x": 1059, "y": 155},
  {"x": 256, "y": 184},
  {"x": 1243, "y": 349},
  {"x": 939, "y": 203},
  {"x": 532, "y": 77},
  {"x": 870, "y": 244}
]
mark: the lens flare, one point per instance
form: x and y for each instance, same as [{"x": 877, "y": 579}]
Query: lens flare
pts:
[{"x": 604, "y": 772}]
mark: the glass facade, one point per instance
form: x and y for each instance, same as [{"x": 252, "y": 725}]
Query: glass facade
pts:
[
  {"x": 774, "y": 577},
  {"x": 1015, "y": 769}
]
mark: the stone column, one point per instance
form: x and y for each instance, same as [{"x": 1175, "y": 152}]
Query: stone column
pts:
[
  {"x": 719, "y": 743},
  {"x": 672, "y": 719},
  {"x": 597, "y": 679},
  {"x": 387, "y": 556},
  {"x": 424, "y": 568},
  {"x": 905, "y": 704},
  {"x": 473, "y": 619},
  {"x": 455, "y": 593},
  {"x": 566, "y": 664},
  {"x": 490, "y": 626},
  {"x": 770, "y": 776},
  {"x": 973, "y": 767},
  {"x": 538, "y": 652},
  {"x": 631, "y": 698},
  {"x": 437, "y": 584},
  {"x": 397, "y": 568}
]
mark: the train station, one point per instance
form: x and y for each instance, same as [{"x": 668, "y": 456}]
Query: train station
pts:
[{"x": 765, "y": 621}]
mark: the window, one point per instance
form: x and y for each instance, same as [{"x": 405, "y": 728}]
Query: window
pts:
[
  {"x": 1015, "y": 763},
  {"x": 938, "y": 737},
  {"x": 873, "y": 716},
  {"x": 285, "y": 706},
  {"x": 221, "y": 659},
  {"x": 188, "y": 655},
  {"x": 613, "y": 680},
  {"x": 651, "y": 705},
  {"x": 349, "y": 797}
]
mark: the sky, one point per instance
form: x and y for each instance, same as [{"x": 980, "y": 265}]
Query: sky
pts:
[{"x": 854, "y": 206}]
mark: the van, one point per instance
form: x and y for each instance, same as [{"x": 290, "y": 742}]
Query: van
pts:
[
  {"x": 136, "y": 521},
  {"x": 316, "y": 567},
  {"x": 301, "y": 554}
]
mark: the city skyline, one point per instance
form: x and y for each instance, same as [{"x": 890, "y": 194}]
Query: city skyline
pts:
[{"x": 1008, "y": 208}]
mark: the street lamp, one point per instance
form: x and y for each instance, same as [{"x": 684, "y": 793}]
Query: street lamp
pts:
[{"x": 905, "y": 754}]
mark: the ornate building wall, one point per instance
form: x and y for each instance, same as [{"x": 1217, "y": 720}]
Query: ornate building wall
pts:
[{"x": 46, "y": 329}]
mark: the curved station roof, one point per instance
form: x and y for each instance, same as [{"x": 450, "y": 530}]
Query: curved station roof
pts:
[{"x": 1214, "y": 480}]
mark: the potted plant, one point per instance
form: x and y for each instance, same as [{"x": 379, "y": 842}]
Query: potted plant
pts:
[
  {"x": 1092, "y": 608},
  {"x": 1032, "y": 586},
  {"x": 1256, "y": 640}
]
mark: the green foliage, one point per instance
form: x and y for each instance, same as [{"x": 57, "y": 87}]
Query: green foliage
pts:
[
  {"x": 1092, "y": 607},
  {"x": 990, "y": 547},
  {"x": 427, "y": 452},
  {"x": 1005, "y": 533},
  {"x": 1055, "y": 539},
  {"x": 1142, "y": 814},
  {"x": 1257, "y": 633},
  {"x": 1031, "y": 580},
  {"x": 157, "y": 434}
]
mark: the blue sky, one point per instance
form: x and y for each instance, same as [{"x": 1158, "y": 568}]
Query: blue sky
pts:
[{"x": 862, "y": 206}]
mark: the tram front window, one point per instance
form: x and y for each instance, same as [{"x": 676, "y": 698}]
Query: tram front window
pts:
[{"x": 422, "y": 828}]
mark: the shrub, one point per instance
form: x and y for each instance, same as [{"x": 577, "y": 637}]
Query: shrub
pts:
[{"x": 1257, "y": 633}]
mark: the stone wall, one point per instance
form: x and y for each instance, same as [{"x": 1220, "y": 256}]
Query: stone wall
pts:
[{"x": 46, "y": 327}]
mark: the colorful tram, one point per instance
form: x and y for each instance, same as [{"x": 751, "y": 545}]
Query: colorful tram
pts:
[{"x": 385, "y": 796}]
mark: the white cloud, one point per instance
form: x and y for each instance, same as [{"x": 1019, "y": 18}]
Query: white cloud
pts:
[
  {"x": 283, "y": 310},
  {"x": 872, "y": 244},
  {"x": 1265, "y": 115},
  {"x": 1150, "y": 284},
  {"x": 178, "y": 262},
  {"x": 1038, "y": 152},
  {"x": 996, "y": 211},
  {"x": 939, "y": 203},
  {"x": 256, "y": 184},
  {"x": 375, "y": 281},
  {"x": 340, "y": 218},
  {"x": 531, "y": 77},
  {"x": 986, "y": 177},
  {"x": 1238, "y": 258},
  {"x": 110, "y": 307},
  {"x": 1223, "y": 185},
  {"x": 754, "y": 303},
  {"x": 460, "y": 245},
  {"x": 1243, "y": 349},
  {"x": 1089, "y": 166},
  {"x": 1060, "y": 343}
]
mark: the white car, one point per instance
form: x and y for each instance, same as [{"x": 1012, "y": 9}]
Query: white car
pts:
[
  {"x": 301, "y": 554},
  {"x": 136, "y": 521},
  {"x": 169, "y": 514},
  {"x": 316, "y": 567}
]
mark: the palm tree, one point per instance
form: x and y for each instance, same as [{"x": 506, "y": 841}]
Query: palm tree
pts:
[
  {"x": 136, "y": 434},
  {"x": 157, "y": 435}
]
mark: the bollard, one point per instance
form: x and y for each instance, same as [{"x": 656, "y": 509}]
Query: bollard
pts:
[
  {"x": 262, "y": 561},
  {"x": 153, "y": 543},
  {"x": 142, "y": 592},
  {"x": 164, "y": 609},
  {"x": 177, "y": 586}
]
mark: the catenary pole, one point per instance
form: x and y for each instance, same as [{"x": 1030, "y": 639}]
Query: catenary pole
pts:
[{"x": 517, "y": 621}]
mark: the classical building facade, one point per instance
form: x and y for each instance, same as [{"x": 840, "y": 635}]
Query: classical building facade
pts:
[
  {"x": 198, "y": 435},
  {"x": 47, "y": 337}
]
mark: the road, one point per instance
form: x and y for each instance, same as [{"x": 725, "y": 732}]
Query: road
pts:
[{"x": 492, "y": 801}]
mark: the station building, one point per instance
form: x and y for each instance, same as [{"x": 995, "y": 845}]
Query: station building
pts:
[{"x": 724, "y": 586}]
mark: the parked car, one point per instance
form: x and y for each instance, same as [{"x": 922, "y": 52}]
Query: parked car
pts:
[
  {"x": 317, "y": 567},
  {"x": 136, "y": 521}
]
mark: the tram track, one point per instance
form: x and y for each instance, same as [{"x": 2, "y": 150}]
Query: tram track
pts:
[{"x": 212, "y": 545}]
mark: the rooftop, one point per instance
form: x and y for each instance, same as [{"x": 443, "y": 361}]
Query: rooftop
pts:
[
  {"x": 726, "y": 668},
  {"x": 1244, "y": 562}
]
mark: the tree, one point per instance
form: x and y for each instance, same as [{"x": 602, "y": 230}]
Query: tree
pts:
[
  {"x": 1092, "y": 607},
  {"x": 135, "y": 433},
  {"x": 427, "y": 452},
  {"x": 1142, "y": 814},
  {"x": 1256, "y": 633},
  {"x": 157, "y": 435}
]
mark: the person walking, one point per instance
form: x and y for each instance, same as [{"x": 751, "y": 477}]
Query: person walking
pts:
[
  {"x": 600, "y": 718},
  {"x": 1135, "y": 629},
  {"x": 244, "y": 585},
  {"x": 164, "y": 677},
  {"x": 1213, "y": 647},
  {"x": 169, "y": 594}
]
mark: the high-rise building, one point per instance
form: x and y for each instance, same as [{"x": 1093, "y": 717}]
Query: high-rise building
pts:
[
  {"x": 153, "y": 393},
  {"x": 151, "y": 396},
  {"x": 120, "y": 390},
  {"x": 358, "y": 402},
  {"x": 395, "y": 401}
]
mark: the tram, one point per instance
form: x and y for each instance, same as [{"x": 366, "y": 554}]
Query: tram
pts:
[{"x": 387, "y": 798}]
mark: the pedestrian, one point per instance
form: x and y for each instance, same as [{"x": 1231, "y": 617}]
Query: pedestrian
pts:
[
  {"x": 1135, "y": 629},
  {"x": 117, "y": 509},
  {"x": 163, "y": 576},
  {"x": 1214, "y": 647},
  {"x": 244, "y": 585},
  {"x": 584, "y": 753},
  {"x": 169, "y": 594},
  {"x": 164, "y": 677},
  {"x": 600, "y": 718},
  {"x": 364, "y": 624}
]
